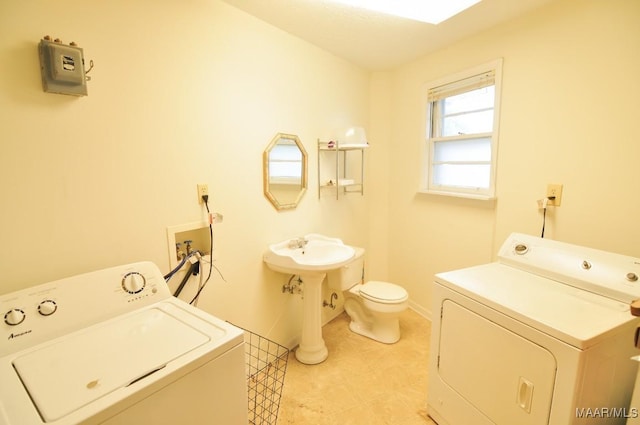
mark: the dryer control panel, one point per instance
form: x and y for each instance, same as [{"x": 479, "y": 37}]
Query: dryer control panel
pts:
[
  {"x": 615, "y": 276},
  {"x": 45, "y": 311}
]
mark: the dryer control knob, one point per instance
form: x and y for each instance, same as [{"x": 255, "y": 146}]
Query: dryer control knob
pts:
[
  {"x": 47, "y": 307},
  {"x": 521, "y": 249},
  {"x": 133, "y": 282},
  {"x": 632, "y": 277},
  {"x": 14, "y": 317}
]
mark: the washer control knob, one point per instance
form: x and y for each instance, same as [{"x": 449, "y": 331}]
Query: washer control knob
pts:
[
  {"x": 521, "y": 249},
  {"x": 14, "y": 317},
  {"x": 47, "y": 307},
  {"x": 133, "y": 282},
  {"x": 632, "y": 277},
  {"x": 586, "y": 265}
]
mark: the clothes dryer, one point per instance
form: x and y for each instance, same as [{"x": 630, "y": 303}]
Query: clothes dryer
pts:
[{"x": 541, "y": 336}]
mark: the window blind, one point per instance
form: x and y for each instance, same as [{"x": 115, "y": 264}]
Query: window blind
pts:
[{"x": 464, "y": 85}]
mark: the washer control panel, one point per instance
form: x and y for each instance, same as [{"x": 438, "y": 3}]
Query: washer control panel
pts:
[
  {"x": 16, "y": 316},
  {"x": 45, "y": 311}
]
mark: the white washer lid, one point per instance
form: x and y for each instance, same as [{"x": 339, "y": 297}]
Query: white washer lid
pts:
[
  {"x": 75, "y": 371},
  {"x": 383, "y": 292}
]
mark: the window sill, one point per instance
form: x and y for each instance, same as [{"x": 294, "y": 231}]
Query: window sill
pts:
[{"x": 490, "y": 200}]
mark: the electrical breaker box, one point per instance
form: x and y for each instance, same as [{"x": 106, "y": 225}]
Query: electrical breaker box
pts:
[{"x": 62, "y": 68}]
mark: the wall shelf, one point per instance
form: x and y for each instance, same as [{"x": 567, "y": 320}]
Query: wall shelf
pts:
[{"x": 339, "y": 170}]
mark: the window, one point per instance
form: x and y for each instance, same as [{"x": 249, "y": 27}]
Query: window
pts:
[{"x": 461, "y": 133}]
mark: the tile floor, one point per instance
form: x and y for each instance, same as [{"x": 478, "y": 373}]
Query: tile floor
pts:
[{"x": 362, "y": 381}]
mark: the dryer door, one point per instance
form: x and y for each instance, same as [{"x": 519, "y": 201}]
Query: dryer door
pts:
[{"x": 505, "y": 376}]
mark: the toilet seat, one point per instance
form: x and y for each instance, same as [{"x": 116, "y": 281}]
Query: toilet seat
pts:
[{"x": 383, "y": 292}]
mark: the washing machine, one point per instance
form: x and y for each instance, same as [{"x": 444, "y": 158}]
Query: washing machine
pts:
[
  {"x": 114, "y": 347},
  {"x": 541, "y": 336}
]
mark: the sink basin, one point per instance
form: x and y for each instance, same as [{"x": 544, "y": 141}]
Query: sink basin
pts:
[{"x": 313, "y": 253}]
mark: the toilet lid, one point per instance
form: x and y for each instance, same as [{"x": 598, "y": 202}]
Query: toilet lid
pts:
[{"x": 383, "y": 292}]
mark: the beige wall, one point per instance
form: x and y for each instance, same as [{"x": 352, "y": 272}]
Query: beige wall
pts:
[
  {"x": 569, "y": 107},
  {"x": 192, "y": 92},
  {"x": 183, "y": 93}
]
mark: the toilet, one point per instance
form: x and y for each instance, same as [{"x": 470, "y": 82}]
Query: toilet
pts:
[{"x": 374, "y": 307}]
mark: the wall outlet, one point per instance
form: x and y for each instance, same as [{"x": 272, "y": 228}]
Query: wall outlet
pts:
[
  {"x": 554, "y": 191},
  {"x": 203, "y": 189}
]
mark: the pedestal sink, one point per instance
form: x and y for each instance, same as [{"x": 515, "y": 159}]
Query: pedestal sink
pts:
[{"x": 310, "y": 257}]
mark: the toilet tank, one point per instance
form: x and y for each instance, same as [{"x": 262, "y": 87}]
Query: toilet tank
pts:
[{"x": 350, "y": 274}]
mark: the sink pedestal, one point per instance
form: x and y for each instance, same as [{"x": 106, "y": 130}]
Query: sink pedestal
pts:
[{"x": 312, "y": 349}]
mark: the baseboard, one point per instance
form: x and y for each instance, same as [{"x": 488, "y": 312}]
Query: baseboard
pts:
[{"x": 420, "y": 310}]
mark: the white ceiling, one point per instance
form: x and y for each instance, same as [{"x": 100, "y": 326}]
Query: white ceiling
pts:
[{"x": 373, "y": 40}]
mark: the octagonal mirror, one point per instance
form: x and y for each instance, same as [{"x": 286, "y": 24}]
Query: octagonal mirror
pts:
[{"x": 284, "y": 171}]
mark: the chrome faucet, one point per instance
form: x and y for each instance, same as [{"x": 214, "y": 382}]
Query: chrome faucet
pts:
[{"x": 298, "y": 243}]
